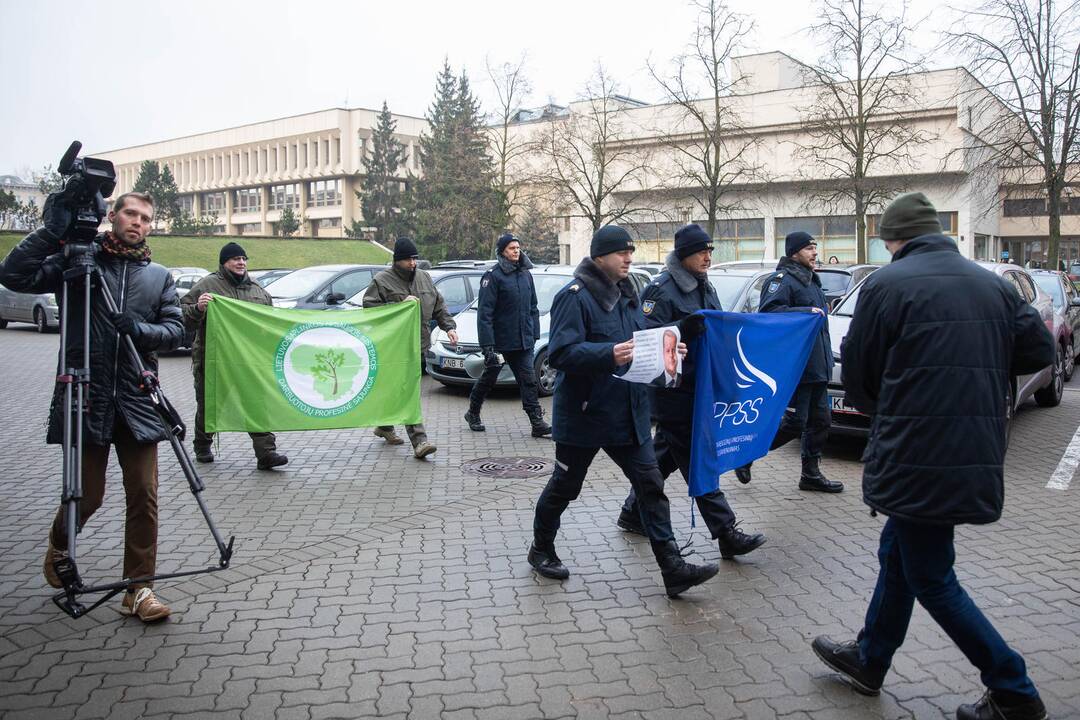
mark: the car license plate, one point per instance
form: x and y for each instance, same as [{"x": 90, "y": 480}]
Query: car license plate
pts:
[
  {"x": 838, "y": 405},
  {"x": 453, "y": 363}
]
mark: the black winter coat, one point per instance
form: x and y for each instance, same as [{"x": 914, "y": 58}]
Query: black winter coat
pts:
[
  {"x": 797, "y": 288},
  {"x": 507, "y": 317},
  {"x": 929, "y": 355},
  {"x": 591, "y": 408},
  {"x": 144, "y": 289},
  {"x": 672, "y": 296}
]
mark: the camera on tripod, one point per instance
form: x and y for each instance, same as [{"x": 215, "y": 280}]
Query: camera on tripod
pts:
[{"x": 89, "y": 181}]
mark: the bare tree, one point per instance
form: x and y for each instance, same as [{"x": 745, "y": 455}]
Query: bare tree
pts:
[
  {"x": 1027, "y": 52},
  {"x": 859, "y": 128},
  {"x": 590, "y": 160},
  {"x": 512, "y": 89},
  {"x": 711, "y": 147}
]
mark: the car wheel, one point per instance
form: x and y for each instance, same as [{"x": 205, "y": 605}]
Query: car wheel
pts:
[
  {"x": 545, "y": 375},
  {"x": 1050, "y": 396},
  {"x": 40, "y": 322},
  {"x": 1070, "y": 362}
]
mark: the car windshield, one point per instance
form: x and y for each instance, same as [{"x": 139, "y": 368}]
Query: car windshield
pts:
[
  {"x": 846, "y": 308},
  {"x": 1052, "y": 287},
  {"x": 546, "y": 287},
  {"x": 301, "y": 283},
  {"x": 834, "y": 282},
  {"x": 728, "y": 287}
]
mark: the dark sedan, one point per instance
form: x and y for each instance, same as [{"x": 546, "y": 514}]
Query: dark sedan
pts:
[
  {"x": 1066, "y": 301},
  {"x": 321, "y": 286}
]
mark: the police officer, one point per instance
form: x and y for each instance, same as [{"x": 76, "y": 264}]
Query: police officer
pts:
[
  {"x": 508, "y": 322},
  {"x": 593, "y": 320},
  {"x": 795, "y": 287},
  {"x": 681, "y": 290}
]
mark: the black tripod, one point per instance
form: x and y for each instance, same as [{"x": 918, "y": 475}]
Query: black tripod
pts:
[{"x": 82, "y": 269}]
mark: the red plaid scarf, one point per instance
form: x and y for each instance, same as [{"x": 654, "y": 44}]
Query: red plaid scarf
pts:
[{"x": 131, "y": 252}]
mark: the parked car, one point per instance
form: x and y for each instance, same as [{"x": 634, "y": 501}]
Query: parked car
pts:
[
  {"x": 653, "y": 269},
  {"x": 837, "y": 280},
  {"x": 738, "y": 287},
  {"x": 178, "y": 271},
  {"x": 39, "y": 309},
  {"x": 1066, "y": 300},
  {"x": 321, "y": 286},
  {"x": 465, "y": 264},
  {"x": 265, "y": 277},
  {"x": 1046, "y": 386},
  {"x": 459, "y": 287},
  {"x": 186, "y": 281},
  {"x": 462, "y": 364}
]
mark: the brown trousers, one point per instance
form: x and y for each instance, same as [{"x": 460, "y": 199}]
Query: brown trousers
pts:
[{"x": 138, "y": 465}]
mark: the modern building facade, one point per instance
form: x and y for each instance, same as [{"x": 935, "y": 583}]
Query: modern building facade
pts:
[{"x": 246, "y": 176}]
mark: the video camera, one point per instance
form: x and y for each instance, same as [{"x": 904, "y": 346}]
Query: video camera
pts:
[{"x": 89, "y": 181}]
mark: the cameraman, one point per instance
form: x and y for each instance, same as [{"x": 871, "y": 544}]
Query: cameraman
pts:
[{"x": 118, "y": 412}]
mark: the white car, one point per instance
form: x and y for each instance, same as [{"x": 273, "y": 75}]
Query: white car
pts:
[{"x": 39, "y": 309}]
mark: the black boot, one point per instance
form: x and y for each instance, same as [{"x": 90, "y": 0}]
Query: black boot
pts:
[
  {"x": 630, "y": 522},
  {"x": 844, "y": 659},
  {"x": 736, "y": 542},
  {"x": 813, "y": 480},
  {"x": 743, "y": 473},
  {"x": 272, "y": 460},
  {"x": 999, "y": 706},
  {"x": 544, "y": 560},
  {"x": 539, "y": 427},
  {"x": 473, "y": 418},
  {"x": 204, "y": 455},
  {"x": 679, "y": 575}
]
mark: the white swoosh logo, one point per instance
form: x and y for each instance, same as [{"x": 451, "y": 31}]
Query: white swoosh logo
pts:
[{"x": 763, "y": 377}]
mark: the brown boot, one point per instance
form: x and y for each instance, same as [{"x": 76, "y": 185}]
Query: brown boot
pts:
[
  {"x": 53, "y": 555},
  {"x": 144, "y": 604}
]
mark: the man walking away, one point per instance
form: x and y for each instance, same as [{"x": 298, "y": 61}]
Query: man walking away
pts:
[
  {"x": 929, "y": 356},
  {"x": 508, "y": 322},
  {"x": 232, "y": 281},
  {"x": 400, "y": 283},
  {"x": 795, "y": 287}
]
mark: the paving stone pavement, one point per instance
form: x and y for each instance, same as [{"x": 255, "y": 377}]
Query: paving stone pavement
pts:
[{"x": 369, "y": 584}]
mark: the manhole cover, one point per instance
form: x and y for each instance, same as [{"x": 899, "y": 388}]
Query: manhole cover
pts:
[{"x": 509, "y": 467}]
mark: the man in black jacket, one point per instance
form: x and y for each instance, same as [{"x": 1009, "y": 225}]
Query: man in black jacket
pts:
[
  {"x": 119, "y": 413},
  {"x": 930, "y": 354},
  {"x": 593, "y": 320},
  {"x": 795, "y": 287},
  {"x": 675, "y": 295},
  {"x": 508, "y": 322}
]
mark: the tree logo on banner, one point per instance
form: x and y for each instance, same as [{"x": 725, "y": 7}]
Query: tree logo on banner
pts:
[{"x": 325, "y": 370}]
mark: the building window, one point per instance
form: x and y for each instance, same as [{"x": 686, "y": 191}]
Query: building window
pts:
[
  {"x": 879, "y": 253},
  {"x": 1025, "y": 207},
  {"x": 247, "y": 200},
  {"x": 738, "y": 239},
  {"x": 323, "y": 193},
  {"x": 213, "y": 203},
  {"x": 835, "y": 235},
  {"x": 283, "y": 196},
  {"x": 1070, "y": 205},
  {"x": 186, "y": 203},
  {"x": 329, "y": 223}
]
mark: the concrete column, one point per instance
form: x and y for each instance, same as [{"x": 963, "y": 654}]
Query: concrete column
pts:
[
  {"x": 305, "y": 228},
  {"x": 230, "y": 229},
  {"x": 264, "y": 201},
  {"x": 770, "y": 238},
  {"x": 196, "y": 204}
]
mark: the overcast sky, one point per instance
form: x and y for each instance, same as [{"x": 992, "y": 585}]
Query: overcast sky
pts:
[{"x": 115, "y": 73}]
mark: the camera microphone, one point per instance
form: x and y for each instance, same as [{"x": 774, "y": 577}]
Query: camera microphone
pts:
[{"x": 68, "y": 161}]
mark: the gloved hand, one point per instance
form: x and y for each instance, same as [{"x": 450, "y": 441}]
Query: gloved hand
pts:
[
  {"x": 57, "y": 215},
  {"x": 126, "y": 324},
  {"x": 490, "y": 358},
  {"x": 691, "y": 327}
]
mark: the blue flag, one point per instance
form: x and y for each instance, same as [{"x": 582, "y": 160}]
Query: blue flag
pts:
[{"x": 747, "y": 366}]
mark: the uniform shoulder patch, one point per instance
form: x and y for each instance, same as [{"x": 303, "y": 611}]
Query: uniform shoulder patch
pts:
[
  {"x": 574, "y": 288},
  {"x": 773, "y": 286},
  {"x": 647, "y": 306}
]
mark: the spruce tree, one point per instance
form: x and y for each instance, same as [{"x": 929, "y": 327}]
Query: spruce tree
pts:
[{"x": 380, "y": 196}]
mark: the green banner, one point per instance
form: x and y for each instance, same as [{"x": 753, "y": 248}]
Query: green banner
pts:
[{"x": 270, "y": 369}]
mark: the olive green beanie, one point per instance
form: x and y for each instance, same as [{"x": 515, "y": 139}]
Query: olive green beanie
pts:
[{"x": 909, "y": 216}]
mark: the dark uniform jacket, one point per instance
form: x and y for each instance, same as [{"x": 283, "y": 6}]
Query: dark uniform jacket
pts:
[
  {"x": 929, "y": 355},
  {"x": 672, "y": 296},
  {"x": 394, "y": 285},
  {"x": 222, "y": 283},
  {"x": 507, "y": 318},
  {"x": 140, "y": 288},
  {"x": 796, "y": 288},
  {"x": 588, "y": 318}
]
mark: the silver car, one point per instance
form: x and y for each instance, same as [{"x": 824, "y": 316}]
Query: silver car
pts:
[
  {"x": 39, "y": 309},
  {"x": 1045, "y": 386},
  {"x": 462, "y": 364}
]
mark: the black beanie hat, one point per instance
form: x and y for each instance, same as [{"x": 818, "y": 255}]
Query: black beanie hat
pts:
[
  {"x": 909, "y": 216},
  {"x": 504, "y": 240},
  {"x": 796, "y": 241},
  {"x": 230, "y": 251},
  {"x": 610, "y": 239},
  {"x": 690, "y": 239},
  {"x": 404, "y": 249}
]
